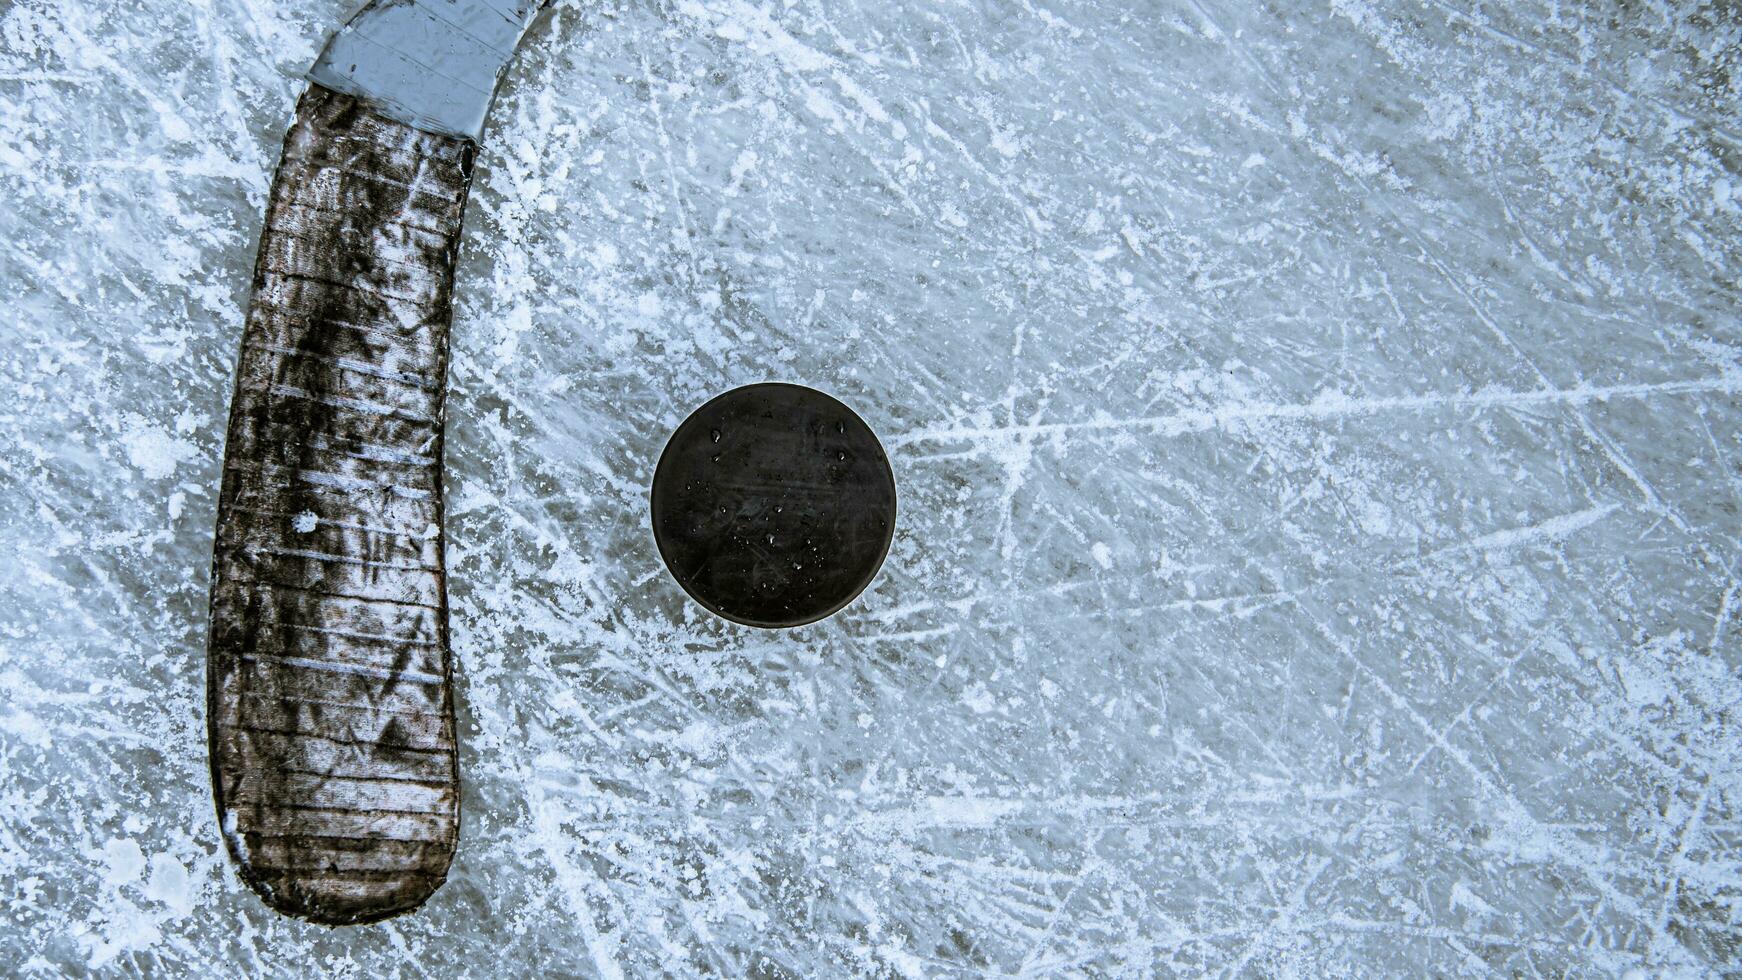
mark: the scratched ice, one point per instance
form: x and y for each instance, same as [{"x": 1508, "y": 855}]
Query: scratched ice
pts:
[{"x": 1318, "y": 437}]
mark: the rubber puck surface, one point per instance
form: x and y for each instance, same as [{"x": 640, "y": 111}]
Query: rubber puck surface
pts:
[{"x": 773, "y": 505}]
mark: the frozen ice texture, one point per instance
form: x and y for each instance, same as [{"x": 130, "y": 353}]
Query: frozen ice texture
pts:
[{"x": 1318, "y": 438}]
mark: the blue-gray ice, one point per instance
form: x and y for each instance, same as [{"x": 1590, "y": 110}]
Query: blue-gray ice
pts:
[{"x": 1319, "y": 436}]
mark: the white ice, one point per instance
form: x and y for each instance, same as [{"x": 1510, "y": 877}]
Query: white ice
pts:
[{"x": 1318, "y": 437}]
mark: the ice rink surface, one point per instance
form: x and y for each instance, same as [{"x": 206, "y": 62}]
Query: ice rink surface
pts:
[{"x": 1317, "y": 430}]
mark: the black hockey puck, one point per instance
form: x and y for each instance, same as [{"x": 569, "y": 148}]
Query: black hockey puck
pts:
[{"x": 773, "y": 505}]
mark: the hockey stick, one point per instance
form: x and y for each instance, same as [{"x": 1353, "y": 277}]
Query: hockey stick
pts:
[{"x": 330, "y": 707}]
